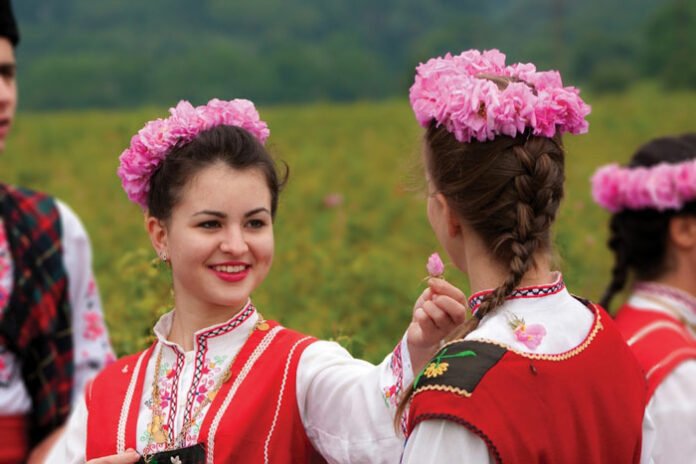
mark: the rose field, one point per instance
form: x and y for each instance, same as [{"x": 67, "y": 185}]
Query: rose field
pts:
[{"x": 352, "y": 236}]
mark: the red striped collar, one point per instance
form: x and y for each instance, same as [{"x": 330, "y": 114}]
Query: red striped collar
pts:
[{"x": 535, "y": 291}]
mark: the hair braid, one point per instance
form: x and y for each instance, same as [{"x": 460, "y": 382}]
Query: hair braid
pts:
[{"x": 619, "y": 272}]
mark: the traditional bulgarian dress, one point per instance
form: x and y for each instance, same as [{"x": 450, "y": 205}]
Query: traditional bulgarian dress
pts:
[
  {"x": 659, "y": 324},
  {"x": 250, "y": 391},
  {"x": 52, "y": 333},
  {"x": 544, "y": 378}
]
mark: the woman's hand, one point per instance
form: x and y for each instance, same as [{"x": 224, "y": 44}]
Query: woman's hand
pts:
[
  {"x": 129, "y": 457},
  {"x": 437, "y": 312}
]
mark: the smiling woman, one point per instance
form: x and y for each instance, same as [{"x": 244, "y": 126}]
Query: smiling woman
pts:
[{"x": 221, "y": 384}]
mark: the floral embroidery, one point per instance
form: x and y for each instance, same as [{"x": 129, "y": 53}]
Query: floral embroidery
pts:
[
  {"x": 437, "y": 367},
  {"x": 94, "y": 325},
  {"x": 391, "y": 392},
  {"x": 530, "y": 335},
  {"x": 5, "y": 270}
]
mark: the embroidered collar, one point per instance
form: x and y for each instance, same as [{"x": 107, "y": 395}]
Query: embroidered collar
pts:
[
  {"x": 164, "y": 326},
  {"x": 536, "y": 291},
  {"x": 667, "y": 297}
]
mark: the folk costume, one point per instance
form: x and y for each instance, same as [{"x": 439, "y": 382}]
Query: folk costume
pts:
[
  {"x": 545, "y": 375},
  {"x": 52, "y": 333},
  {"x": 250, "y": 391},
  {"x": 659, "y": 324}
]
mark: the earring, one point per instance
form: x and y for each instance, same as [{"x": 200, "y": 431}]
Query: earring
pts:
[{"x": 163, "y": 256}]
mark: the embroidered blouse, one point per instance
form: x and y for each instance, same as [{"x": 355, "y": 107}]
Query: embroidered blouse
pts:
[
  {"x": 346, "y": 405},
  {"x": 673, "y": 405},
  {"x": 91, "y": 346},
  {"x": 544, "y": 319}
]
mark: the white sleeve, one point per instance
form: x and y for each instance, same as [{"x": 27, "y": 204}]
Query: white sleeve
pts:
[
  {"x": 441, "y": 441},
  {"x": 91, "y": 346},
  {"x": 347, "y": 405},
  {"x": 71, "y": 447},
  {"x": 673, "y": 411}
]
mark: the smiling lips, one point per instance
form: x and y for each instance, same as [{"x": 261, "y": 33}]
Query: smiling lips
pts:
[{"x": 231, "y": 272}]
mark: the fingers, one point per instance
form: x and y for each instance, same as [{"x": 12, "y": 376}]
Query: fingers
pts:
[
  {"x": 129, "y": 457},
  {"x": 437, "y": 315},
  {"x": 424, "y": 296},
  {"x": 442, "y": 287},
  {"x": 454, "y": 311}
]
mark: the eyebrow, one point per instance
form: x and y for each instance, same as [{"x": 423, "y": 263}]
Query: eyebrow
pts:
[{"x": 222, "y": 215}]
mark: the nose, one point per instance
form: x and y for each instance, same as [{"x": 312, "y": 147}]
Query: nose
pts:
[{"x": 234, "y": 242}]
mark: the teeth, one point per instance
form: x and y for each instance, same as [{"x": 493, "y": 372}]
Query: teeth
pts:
[{"x": 229, "y": 269}]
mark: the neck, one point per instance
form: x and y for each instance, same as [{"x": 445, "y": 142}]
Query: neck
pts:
[
  {"x": 684, "y": 280},
  {"x": 484, "y": 273},
  {"x": 188, "y": 320}
]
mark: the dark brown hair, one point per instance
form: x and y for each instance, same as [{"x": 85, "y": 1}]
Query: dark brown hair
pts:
[
  {"x": 638, "y": 238},
  {"x": 507, "y": 190},
  {"x": 231, "y": 145}
]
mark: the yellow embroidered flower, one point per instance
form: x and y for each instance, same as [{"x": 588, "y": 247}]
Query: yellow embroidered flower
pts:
[{"x": 435, "y": 369}]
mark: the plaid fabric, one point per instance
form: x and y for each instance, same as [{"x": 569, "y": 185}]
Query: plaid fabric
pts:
[{"x": 36, "y": 323}]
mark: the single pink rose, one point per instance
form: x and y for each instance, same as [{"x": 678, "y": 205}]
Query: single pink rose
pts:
[
  {"x": 530, "y": 335},
  {"x": 435, "y": 266}
]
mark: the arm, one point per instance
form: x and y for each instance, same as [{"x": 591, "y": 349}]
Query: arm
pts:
[
  {"x": 348, "y": 405},
  {"x": 673, "y": 412},
  {"x": 91, "y": 347},
  {"x": 71, "y": 445},
  {"x": 439, "y": 441}
]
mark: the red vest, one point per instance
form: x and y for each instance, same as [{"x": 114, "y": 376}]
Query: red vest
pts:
[
  {"x": 582, "y": 406},
  {"x": 659, "y": 341},
  {"x": 259, "y": 422}
]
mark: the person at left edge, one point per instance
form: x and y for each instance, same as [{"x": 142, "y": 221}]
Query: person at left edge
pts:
[{"x": 52, "y": 333}]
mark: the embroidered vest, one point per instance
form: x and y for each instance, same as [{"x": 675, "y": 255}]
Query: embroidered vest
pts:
[
  {"x": 254, "y": 417},
  {"x": 36, "y": 325},
  {"x": 582, "y": 406},
  {"x": 659, "y": 341}
]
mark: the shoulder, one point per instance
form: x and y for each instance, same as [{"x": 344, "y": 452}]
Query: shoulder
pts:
[{"x": 459, "y": 366}]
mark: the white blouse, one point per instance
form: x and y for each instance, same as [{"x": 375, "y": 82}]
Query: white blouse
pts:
[
  {"x": 566, "y": 323},
  {"x": 347, "y": 405},
  {"x": 91, "y": 347},
  {"x": 673, "y": 405}
]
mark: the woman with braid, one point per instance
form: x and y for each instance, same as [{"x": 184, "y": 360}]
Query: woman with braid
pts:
[
  {"x": 653, "y": 238},
  {"x": 536, "y": 375}
]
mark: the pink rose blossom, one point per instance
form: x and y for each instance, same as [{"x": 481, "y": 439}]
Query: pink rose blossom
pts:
[
  {"x": 435, "y": 266},
  {"x": 158, "y": 137},
  {"x": 451, "y": 91},
  {"x": 530, "y": 335},
  {"x": 661, "y": 187}
]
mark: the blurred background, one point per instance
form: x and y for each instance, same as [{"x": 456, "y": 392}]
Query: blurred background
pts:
[
  {"x": 115, "y": 53},
  {"x": 331, "y": 78}
]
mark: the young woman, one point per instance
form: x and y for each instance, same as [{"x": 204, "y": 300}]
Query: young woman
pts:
[
  {"x": 536, "y": 375},
  {"x": 653, "y": 238},
  {"x": 221, "y": 384}
]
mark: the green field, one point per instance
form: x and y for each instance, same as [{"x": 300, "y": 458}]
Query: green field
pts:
[{"x": 349, "y": 272}]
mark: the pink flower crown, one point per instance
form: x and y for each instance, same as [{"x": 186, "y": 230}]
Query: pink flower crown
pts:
[
  {"x": 661, "y": 187},
  {"x": 157, "y": 138},
  {"x": 453, "y": 91}
]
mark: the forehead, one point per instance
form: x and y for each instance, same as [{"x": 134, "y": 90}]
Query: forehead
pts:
[{"x": 225, "y": 189}]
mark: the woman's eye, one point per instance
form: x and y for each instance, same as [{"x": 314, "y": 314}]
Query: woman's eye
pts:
[
  {"x": 256, "y": 223},
  {"x": 209, "y": 224}
]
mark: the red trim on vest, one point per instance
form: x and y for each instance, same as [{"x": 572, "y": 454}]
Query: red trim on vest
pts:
[
  {"x": 659, "y": 341},
  {"x": 585, "y": 408},
  {"x": 243, "y": 432}
]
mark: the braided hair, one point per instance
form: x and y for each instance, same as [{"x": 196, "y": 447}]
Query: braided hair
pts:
[
  {"x": 639, "y": 238},
  {"x": 508, "y": 191}
]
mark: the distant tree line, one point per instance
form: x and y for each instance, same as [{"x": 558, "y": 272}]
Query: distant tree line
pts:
[{"x": 116, "y": 53}]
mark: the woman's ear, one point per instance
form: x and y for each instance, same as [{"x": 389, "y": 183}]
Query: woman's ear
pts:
[
  {"x": 682, "y": 232},
  {"x": 454, "y": 227},
  {"x": 157, "y": 231}
]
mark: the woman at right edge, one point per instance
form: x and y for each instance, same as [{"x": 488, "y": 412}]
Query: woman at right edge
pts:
[{"x": 536, "y": 375}]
